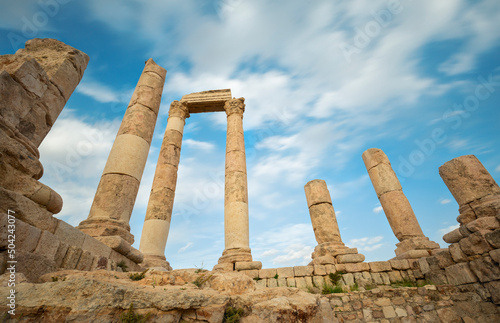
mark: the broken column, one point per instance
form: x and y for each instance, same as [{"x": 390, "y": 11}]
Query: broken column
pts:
[
  {"x": 330, "y": 248},
  {"x": 413, "y": 243},
  {"x": 35, "y": 84},
  {"x": 478, "y": 197},
  {"x": 159, "y": 211},
  {"x": 236, "y": 229},
  {"x": 114, "y": 200}
]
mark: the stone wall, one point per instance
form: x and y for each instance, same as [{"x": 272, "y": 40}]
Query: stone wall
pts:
[
  {"x": 480, "y": 274},
  {"x": 35, "y": 84},
  {"x": 46, "y": 244},
  {"x": 191, "y": 295}
]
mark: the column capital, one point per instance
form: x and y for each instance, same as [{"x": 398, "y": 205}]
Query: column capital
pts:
[
  {"x": 178, "y": 109},
  {"x": 233, "y": 106}
]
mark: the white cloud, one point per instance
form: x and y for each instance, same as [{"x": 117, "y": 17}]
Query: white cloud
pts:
[
  {"x": 73, "y": 155},
  {"x": 202, "y": 145},
  {"x": 444, "y": 201},
  {"x": 477, "y": 25},
  {"x": 457, "y": 144},
  {"x": 377, "y": 209},
  {"x": 497, "y": 169},
  {"x": 366, "y": 243},
  {"x": 289, "y": 245},
  {"x": 271, "y": 252},
  {"x": 297, "y": 253},
  {"x": 98, "y": 92},
  {"x": 341, "y": 190},
  {"x": 186, "y": 247},
  {"x": 444, "y": 231}
]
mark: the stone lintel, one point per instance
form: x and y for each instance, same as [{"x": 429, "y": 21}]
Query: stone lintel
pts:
[{"x": 207, "y": 101}]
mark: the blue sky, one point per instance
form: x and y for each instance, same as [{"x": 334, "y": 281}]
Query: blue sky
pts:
[{"x": 323, "y": 81}]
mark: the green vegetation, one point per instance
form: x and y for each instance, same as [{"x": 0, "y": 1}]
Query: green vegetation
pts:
[
  {"x": 232, "y": 315},
  {"x": 131, "y": 317},
  {"x": 370, "y": 287},
  {"x": 355, "y": 287},
  {"x": 335, "y": 286},
  {"x": 122, "y": 265},
  {"x": 200, "y": 269},
  {"x": 276, "y": 276},
  {"x": 410, "y": 283},
  {"x": 201, "y": 280},
  {"x": 329, "y": 289},
  {"x": 137, "y": 276}
]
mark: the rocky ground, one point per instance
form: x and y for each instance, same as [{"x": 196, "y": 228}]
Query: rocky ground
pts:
[{"x": 194, "y": 295}]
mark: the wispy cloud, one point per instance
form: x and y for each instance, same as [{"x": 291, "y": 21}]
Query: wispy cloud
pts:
[
  {"x": 289, "y": 245},
  {"x": 450, "y": 228},
  {"x": 444, "y": 201},
  {"x": 366, "y": 243},
  {"x": 202, "y": 145},
  {"x": 74, "y": 154},
  {"x": 186, "y": 247},
  {"x": 378, "y": 209},
  {"x": 497, "y": 169},
  {"x": 99, "y": 92}
]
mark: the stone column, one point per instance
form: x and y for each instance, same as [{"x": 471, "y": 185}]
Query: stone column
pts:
[
  {"x": 159, "y": 211},
  {"x": 397, "y": 208},
  {"x": 236, "y": 194},
  {"x": 117, "y": 190},
  {"x": 477, "y": 194},
  {"x": 35, "y": 84},
  {"x": 472, "y": 186},
  {"x": 330, "y": 248}
]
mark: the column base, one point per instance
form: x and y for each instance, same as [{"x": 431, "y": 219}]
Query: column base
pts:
[
  {"x": 103, "y": 227},
  {"x": 335, "y": 253},
  {"x": 155, "y": 261},
  {"x": 415, "y": 247},
  {"x": 121, "y": 246},
  {"x": 232, "y": 256}
]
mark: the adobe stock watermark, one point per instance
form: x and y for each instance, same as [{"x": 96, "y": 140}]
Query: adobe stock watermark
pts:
[
  {"x": 11, "y": 262},
  {"x": 372, "y": 29},
  {"x": 454, "y": 116},
  {"x": 31, "y": 26}
]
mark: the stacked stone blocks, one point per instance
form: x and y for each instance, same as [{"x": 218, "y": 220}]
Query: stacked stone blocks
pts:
[
  {"x": 330, "y": 248},
  {"x": 115, "y": 197},
  {"x": 413, "y": 243}
]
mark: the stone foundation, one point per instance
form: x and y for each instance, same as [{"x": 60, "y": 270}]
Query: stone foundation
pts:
[
  {"x": 173, "y": 296},
  {"x": 46, "y": 244}
]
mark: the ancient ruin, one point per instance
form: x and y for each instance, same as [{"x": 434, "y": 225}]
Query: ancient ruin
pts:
[
  {"x": 114, "y": 200},
  {"x": 330, "y": 248},
  {"x": 63, "y": 273},
  {"x": 413, "y": 243}
]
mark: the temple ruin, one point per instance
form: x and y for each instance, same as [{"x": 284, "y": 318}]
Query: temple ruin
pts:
[{"x": 53, "y": 258}]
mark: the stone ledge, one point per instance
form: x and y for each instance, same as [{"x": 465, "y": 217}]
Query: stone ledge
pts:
[{"x": 121, "y": 246}]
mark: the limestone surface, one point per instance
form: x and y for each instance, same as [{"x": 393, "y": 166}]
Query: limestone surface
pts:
[
  {"x": 115, "y": 197},
  {"x": 35, "y": 84},
  {"x": 207, "y": 101}
]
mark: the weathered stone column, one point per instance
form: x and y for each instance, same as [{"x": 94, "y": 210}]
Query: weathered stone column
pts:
[
  {"x": 321, "y": 210},
  {"x": 35, "y": 84},
  {"x": 117, "y": 190},
  {"x": 478, "y": 197},
  {"x": 330, "y": 248},
  {"x": 159, "y": 211},
  {"x": 397, "y": 208},
  {"x": 472, "y": 186},
  {"x": 236, "y": 229}
]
